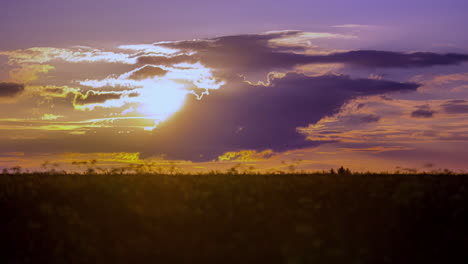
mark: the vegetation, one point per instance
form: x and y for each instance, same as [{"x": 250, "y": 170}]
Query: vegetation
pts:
[{"x": 235, "y": 217}]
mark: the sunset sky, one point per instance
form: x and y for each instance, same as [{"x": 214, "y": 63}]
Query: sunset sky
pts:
[{"x": 370, "y": 85}]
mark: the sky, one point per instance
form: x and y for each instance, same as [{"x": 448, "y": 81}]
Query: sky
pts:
[{"x": 260, "y": 85}]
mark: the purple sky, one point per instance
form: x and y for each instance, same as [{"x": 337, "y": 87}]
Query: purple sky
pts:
[{"x": 409, "y": 24}]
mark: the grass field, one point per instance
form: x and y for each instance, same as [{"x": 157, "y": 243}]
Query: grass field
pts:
[{"x": 233, "y": 218}]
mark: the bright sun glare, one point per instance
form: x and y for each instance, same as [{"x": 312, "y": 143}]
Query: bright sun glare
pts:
[{"x": 162, "y": 98}]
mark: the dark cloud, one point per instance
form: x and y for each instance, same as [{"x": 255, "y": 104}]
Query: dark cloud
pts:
[
  {"x": 457, "y": 101},
  {"x": 363, "y": 118},
  {"x": 147, "y": 71},
  {"x": 242, "y": 116},
  {"x": 388, "y": 59},
  {"x": 242, "y": 53},
  {"x": 10, "y": 89},
  {"x": 423, "y": 111},
  {"x": 246, "y": 53},
  {"x": 92, "y": 97},
  {"x": 455, "y": 107}
]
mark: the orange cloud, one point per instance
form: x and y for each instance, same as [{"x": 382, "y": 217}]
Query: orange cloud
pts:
[
  {"x": 29, "y": 72},
  {"x": 247, "y": 155}
]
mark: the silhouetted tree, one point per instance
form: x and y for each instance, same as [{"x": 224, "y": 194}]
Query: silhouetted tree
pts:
[{"x": 344, "y": 171}]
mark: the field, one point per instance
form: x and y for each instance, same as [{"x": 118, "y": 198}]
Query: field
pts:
[{"x": 234, "y": 218}]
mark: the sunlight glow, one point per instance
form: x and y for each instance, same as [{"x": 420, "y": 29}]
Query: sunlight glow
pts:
[{"x": 158, "y": 97}]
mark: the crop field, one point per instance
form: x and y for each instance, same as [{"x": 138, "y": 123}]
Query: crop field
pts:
[{"x": 234, "y": 218}]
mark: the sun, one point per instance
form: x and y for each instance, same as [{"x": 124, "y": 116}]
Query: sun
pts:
[{"x": 159, "y": 99}]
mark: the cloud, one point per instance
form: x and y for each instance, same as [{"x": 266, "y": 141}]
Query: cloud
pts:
[
  {"x": 446, "y": 85},
  {"x": 257, "y": 117},
  {"x": 389, "y": 59},
  {"x": 448, "y": 78},
  {"x": 51, "y": 117},
  {"x": 456, "y": 107},
  {"x": 29, "y": 72},
  {"x": 358, "y": 119},
  {"x": 423, "y": 111},
  {"x": 77, "y": 54},
  {"x": 166, "y": 61},
  {"x": 265, "y": 53},
  {"x": 157, "y": 91},
  {"x": 403, "y": 122},
  {"x": 247, "y": 155},
  {"x": 147, "y": 72},
  {"x": 376, "y": 149},
  {"x": 92, "y": 97},
  {"x": 10, "y": 89}
]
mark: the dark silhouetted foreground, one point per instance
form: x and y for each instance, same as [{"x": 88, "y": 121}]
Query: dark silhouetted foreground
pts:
[{"x": 234, "y": 218}]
